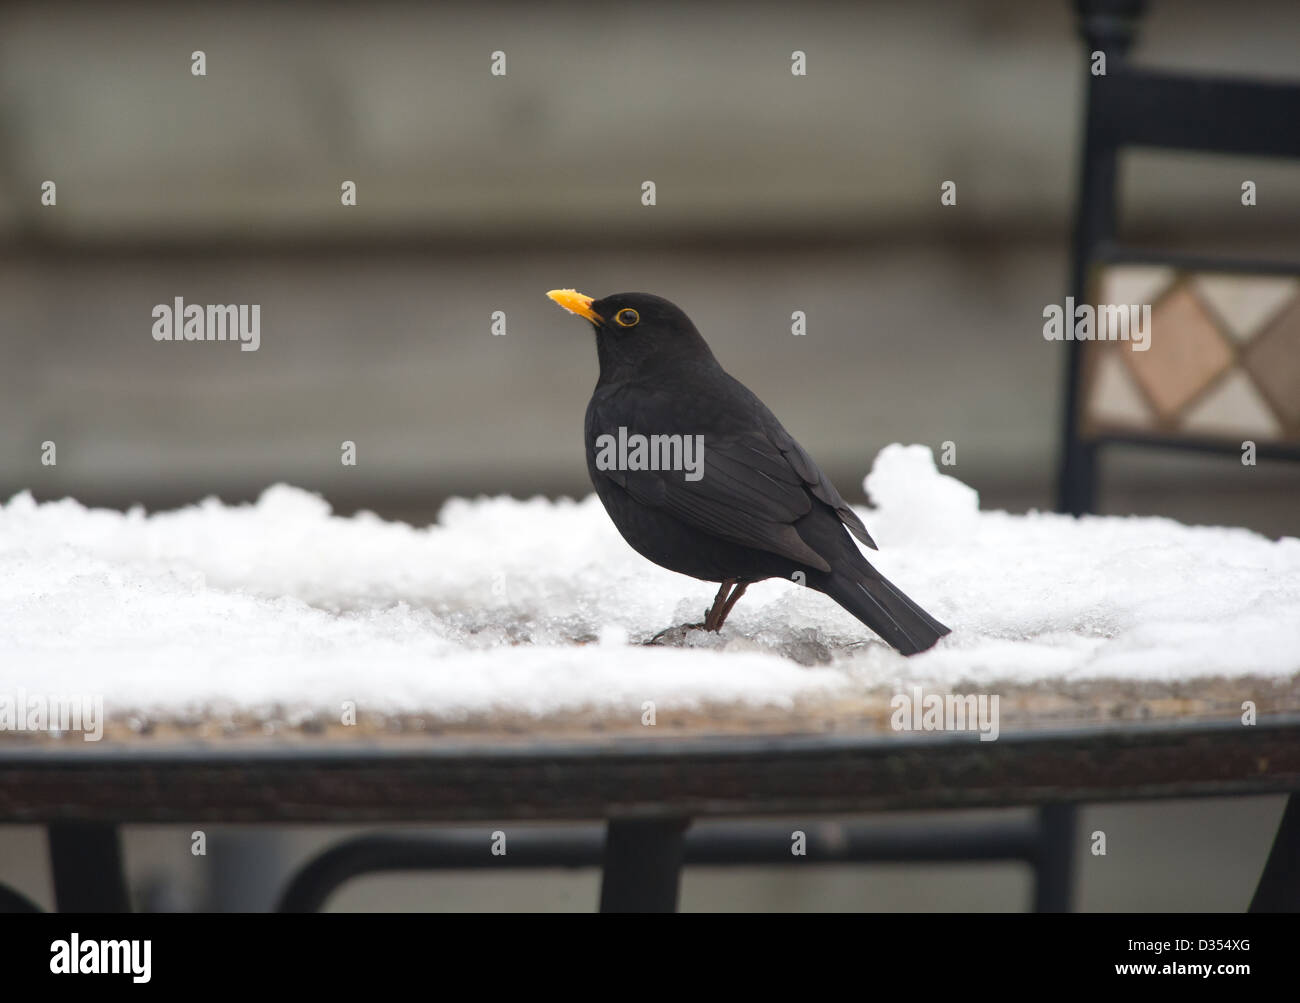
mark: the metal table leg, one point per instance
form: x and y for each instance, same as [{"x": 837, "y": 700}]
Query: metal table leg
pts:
[
  {"x": 1054, "y": 868},
  {"x": 642, "y": 864}
]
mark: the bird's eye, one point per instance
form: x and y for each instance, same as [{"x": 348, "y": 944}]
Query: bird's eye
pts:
[{"x": 627, "y": 318}]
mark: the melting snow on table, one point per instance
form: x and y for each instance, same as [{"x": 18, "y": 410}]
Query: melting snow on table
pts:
[{"x": 539, "y": 607}]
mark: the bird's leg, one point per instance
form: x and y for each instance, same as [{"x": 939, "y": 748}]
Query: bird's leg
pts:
[
  {"x": 718, "y": 611},
  {"x": 717, "y": 616},
  {"x": 714, "y": 617},
  {"x": 740, "y": 591}
]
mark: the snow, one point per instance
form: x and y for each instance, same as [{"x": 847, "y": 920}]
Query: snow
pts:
[{"x": 537, "y": 607}]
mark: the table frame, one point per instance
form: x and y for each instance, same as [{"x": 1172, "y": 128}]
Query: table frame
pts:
[{"x": 646, "y": 791}]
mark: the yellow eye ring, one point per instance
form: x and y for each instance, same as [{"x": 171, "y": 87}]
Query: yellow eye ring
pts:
[{"x": 627, "y": 317}]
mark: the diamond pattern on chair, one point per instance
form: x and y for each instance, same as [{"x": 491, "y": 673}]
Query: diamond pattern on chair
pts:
[
  {"x": 1233, "y": 405},
  {"x": 1223, "y": 361},
  {"x": 1246, "y": 303},
  {"x": 1274, "y": 361},
  {"x": 1187, "y": 351},
  {"x": 1136, "y": 283},
  {"x": 1114, "y": 398}
]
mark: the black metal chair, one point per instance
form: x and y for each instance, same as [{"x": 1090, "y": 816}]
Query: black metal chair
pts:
[{"x": 1129, "y": 108}]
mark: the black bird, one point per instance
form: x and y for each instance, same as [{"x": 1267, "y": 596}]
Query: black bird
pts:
[{"x": 756, "y": 507}]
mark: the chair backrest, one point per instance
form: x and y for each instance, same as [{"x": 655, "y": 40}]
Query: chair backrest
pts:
[{"x": 1212, "y": 363}]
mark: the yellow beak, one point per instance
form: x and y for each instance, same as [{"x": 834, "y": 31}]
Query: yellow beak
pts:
[{"x": 575, "y": 302}]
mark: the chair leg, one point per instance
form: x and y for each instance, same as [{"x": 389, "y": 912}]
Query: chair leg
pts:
[
  {"x": 86, "y": 859},
  {"x": 642, "y": 864},
  {"x": 1279, "y": 884}
]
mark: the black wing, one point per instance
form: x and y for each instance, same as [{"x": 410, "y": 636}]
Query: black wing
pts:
[{"x": 756, "y": 480}]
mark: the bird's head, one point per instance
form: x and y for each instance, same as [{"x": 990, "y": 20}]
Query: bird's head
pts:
[{"x": 635, "y": 331}]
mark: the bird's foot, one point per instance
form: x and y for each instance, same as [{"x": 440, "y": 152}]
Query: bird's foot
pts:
[
  {"x": 714, "y": 617},
  {"x": 675, "y": 636}
]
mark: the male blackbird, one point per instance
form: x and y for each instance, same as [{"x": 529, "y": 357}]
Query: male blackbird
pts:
[{"x": 744, "y": 502}]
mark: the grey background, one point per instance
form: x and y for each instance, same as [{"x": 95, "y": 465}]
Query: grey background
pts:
[{"x": 478, "y": 193}]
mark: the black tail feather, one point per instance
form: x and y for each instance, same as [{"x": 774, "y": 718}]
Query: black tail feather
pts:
[{"x": 879, "y": 604}]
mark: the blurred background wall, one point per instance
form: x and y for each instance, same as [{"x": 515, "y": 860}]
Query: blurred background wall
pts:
[{"x": 477, "y": 193}]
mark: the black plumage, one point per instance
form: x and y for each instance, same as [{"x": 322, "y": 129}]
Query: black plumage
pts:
[{"x": 758, "y": 508}]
